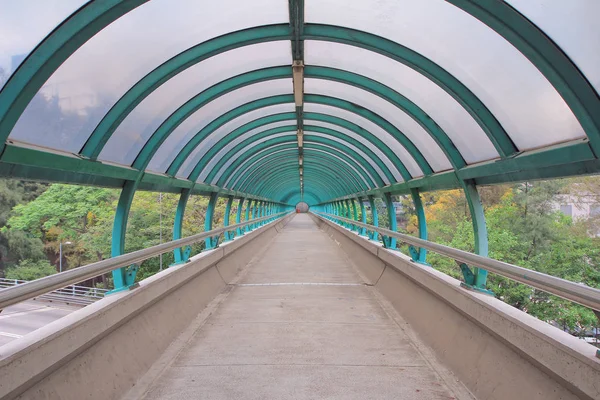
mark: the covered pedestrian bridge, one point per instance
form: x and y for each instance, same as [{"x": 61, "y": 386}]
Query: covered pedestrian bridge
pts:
[{"x": 272, "y": 103}]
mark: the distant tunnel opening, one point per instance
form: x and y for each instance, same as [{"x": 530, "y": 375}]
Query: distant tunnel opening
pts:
[{"x": 302, "y": 207}]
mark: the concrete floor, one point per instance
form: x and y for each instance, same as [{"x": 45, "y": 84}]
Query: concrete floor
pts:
[{"x": 299, "y": 324}]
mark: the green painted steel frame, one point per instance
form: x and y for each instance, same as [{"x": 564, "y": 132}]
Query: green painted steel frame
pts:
[
  {"x": 419, "y": 255},
  {"x": 211, "y": 242},
  {"x": 362, "y": 164},
  {"x": 221, "y": 144},
  {"x": 238, "y": 215},
  {"x": 277, "y": 164},
  {"x": 228, "y": 235},
  {"x": 374, "y": 214},
  {"x": 179, "y": 254},
  {"x": 274, "y": 183},
  {"x": 311, "y": 141},
  {"x": 281, "y": 163},
  {"x": 390, "y": 242},
  {"x": 518, "y": 30}
]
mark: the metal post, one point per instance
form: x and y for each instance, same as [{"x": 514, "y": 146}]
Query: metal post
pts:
[
  {"x": 160, "y": 228},
  {"x": 349, "y": 213},
  {"x": 123, "y": 278},
  {"x": 478, "y": 277},
  {"x": 228, "y": 235},
  {"x": 355, "y": 213},
  {"x": 373, "y": 235},
  {"x": 419, "y": 255},
  {"x": 362, "y": 231},
  {"x": 248, "y": 208},
  {"x": 390, "y": 242},
  {"x": 254, "y": 215},
  {"x": 211, "y": 242},
  {"x": 179, "y": 254},
  {"x": 238, "y": 216}
]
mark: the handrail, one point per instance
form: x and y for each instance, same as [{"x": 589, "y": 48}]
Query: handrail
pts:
[
  {"x": 579, "y": 293},
  {"x": 40, "y": 286}
]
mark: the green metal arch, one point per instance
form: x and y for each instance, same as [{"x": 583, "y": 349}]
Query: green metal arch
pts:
[
  {"x": 289, "y": 177},
  {"x": 396, "y": 99},
  {"x": 328, "y": 160},
  {"x": 148, "y": 84},
  {"x": 278, "y": 185},
  {"x": 384, "y": 148},
  {"x": 293, "y": 193},
  {"x": 505, "y": 20},
  {"x": 197, "y": 102},
  {"x": 281, "y": 99},
  {"x": 296, "y": 193},
  {"x": 279, "y": 72},
  {"x": 328, "y": 181},
  {"x": 356, "y": 160},
  {"x": 281, "y": 160},
  {"x": 278, "y": 153},
  {"x": 271, "y": 185},
  {"x": 270, "y": 162},
  {"x": 247, "y": 143}
]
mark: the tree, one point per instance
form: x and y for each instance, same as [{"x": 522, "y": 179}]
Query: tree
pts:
[{"x": 29, "y": 270}]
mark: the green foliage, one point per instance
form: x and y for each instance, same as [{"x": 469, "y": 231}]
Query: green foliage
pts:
[
  {"x": 15, "y": 246},
  {"x": 29, "y": 270},
  {"x": 524, "y": 229}
]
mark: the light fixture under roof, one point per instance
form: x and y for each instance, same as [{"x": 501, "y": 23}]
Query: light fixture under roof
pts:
[
  {"x": 300, "y": 138},
  {"x": 298, "y": 76},
  {"x": 300, "y": 159}
]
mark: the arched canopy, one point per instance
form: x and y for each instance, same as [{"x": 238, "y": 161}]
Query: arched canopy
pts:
[{"x": 295, "y": 101}]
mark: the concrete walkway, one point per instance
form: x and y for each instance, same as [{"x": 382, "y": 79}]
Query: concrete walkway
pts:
[{"x": 300, "y": 324}]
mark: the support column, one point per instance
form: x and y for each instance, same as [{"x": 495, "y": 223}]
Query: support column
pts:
[
  {"x": 228, "y": 235},
  {"x": 254, "y": 215},
  {"x": 211, "y": 242},
  {"x": 390, "y": 242},
  {"x": 238, "y": 216},
  {"x": 123, "y": 278},
  {"x": 248, "y": 208},
  {"x": 373, "y": 235},
  {"x": 477, "y": 278},
  {"x": 354, "y": 210},
  {"x": 363, "y": 212},
  {"x": 419, "y": 255},
  {"x": 180, "y": 254}
]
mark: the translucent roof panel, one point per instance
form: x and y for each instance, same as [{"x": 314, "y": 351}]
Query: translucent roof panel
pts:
[
  {"x": 393, "y": 168},
  {"x": 195, "y": 156},
  {"x": 217, "y": 157},
  {"x": 198, "y": 120},
  {"x": 573, "y": 25},
  {"x": 375, "y": 130},
  {"x": 135, "y": 130},
  {"x": 24, "y": 24},
  {"x": 239, "y": 154},
  {"x": 431, "y": 151},
  {"x": 462, "y": 129},
  {"x": 523, "y": 101},
  {"x": 231, "y": 183},
  {"x": 358, "y": 174},
  {"x": 85, "y": 87}
]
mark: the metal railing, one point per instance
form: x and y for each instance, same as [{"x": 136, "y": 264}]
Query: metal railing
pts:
[
  {"x": 576, "y": 292},
  {"x": 72, "y": 294},
  {"x": 47, "y": 284}
]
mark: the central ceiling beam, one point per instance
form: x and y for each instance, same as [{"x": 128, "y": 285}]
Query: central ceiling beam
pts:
[{"x": 297, "y": 29}]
